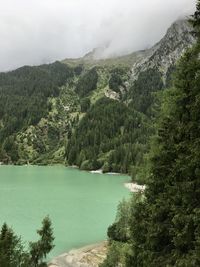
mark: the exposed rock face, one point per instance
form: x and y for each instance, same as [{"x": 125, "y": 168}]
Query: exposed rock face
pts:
[
  {"x": 112, "y": 94},
  {"x": 165, "y": 54},
  {"x": 162, "y": 55}
]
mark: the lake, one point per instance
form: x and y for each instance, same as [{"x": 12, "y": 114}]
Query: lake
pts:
[{"x": 80, "y": 204}]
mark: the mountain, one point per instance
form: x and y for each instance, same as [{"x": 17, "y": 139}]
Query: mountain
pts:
[
  {"x": 172, "y": 46},
  {"x": 166, "y": 53},
  {"x": 90, "y": 112}
]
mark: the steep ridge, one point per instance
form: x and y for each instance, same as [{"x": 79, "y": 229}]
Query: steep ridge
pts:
[{"x": 166, "y": 53}]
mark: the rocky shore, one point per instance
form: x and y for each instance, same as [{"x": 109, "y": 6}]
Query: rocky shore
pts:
[
  {"x": 88, "y": 256},
  {"x": 135, "y": 188}
]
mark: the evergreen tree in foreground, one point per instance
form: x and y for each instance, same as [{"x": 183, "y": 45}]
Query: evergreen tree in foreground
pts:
[
  {"x": 12, "y": 253},
  {"x": 39, "y": 249},
  {"x": 11, "y": 250},
  {"x": 165, "y": 226}
]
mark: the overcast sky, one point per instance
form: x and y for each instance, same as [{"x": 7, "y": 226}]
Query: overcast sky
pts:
[{"x": 41, "y": 31}]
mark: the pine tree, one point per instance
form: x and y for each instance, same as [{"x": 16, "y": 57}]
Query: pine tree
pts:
[
  {"x": 11, "y": 250},
  {"x": 165, "y": 227},
  {"x": 44, "y": 245}
]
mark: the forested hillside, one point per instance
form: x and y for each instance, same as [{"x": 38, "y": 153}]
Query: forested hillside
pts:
[
  {"x": 111, "y": 136},
  {"x": 90, "y": 113},
  {"x": 24, "y": 100},
  {"x": 161, "y": 226}
]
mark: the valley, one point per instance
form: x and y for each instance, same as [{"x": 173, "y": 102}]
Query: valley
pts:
[{"x": 89, "y": 112}]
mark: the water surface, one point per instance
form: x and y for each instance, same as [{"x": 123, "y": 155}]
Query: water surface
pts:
[{"x": 81, "y": 205}]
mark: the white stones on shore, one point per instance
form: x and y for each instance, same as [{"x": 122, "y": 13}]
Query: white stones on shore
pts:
[
  {"x": 100, "y": 171},
  {"x": 135, "y": 188}
]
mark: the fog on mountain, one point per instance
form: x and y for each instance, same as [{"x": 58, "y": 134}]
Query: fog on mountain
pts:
[{"x": 36, "y": 32}]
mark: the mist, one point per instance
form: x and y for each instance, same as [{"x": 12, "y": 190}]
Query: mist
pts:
[{"x": 41, "y": 31}]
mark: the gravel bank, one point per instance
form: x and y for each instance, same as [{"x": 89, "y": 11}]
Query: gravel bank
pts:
[{"x": 88, "y": 256}]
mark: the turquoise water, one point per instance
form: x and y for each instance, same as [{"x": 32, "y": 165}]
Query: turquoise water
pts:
[{"x": 81, "y": 205}]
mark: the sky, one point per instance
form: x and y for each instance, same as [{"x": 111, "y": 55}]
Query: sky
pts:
[{"x": 34, "y": 32}]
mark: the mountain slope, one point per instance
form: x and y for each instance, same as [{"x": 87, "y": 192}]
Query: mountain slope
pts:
[
  {"x": 166, "y": 53},
  {"x": 45, "y": 110},
  {"x": 120, "y": 146},
  {"x": 172, "y": 46}
]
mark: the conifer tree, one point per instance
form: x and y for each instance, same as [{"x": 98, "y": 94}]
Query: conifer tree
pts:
[
  {"x": 11, "y": 250},
  {"x": 165, "y": 227},
  {"x": 12, "y": 253},
  {"x": 44, "y": 245}
]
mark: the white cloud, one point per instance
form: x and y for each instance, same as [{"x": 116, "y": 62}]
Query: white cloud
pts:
[{"x": 38, "y": 31}]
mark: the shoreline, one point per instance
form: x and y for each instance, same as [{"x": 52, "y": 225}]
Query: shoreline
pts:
[
  {"x": 131, "y": 186},
  {"x": 135, "y": 188},
  {"x": 87, "y": 256},
  {"x": 99, "y": 171}
]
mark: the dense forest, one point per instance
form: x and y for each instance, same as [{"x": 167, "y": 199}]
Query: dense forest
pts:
[
  {"x": 161, "y": 226},
  {"x": 111, "y": 135},
  {"x": 89, "y": 115},
  {"x": 114, "y": 135},
  {"x": 24, "y": 95}
]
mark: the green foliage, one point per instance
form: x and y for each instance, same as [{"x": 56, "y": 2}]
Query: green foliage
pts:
[
  {"x": 12, "y": 253},
  {"x": 45, "y": 142},
  {"x": 119, "y": 237},
  {"x": 164, "y": 222},
  {"x": 148, "y": 81},
  {"x": 117, "y": 254},
  {"x": 39, "y": 249},
  {"x": 111, "y": 135},
  {"x": 87, "y": 82},
  {"x": 11, "y": 149},
  {"x": 119, "y": 230},
  {"x": 78, "y": 69},
  {"x": 170, "y": 76},
  {"x": 117, "y": 79},
  {"x": 11, "y": 250},
  {"x": 165, "y": 226},
  {"x": 85, "y": 104},
  {"x": 24, "y": 95},
  {"x": 115, "y": 82}
]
